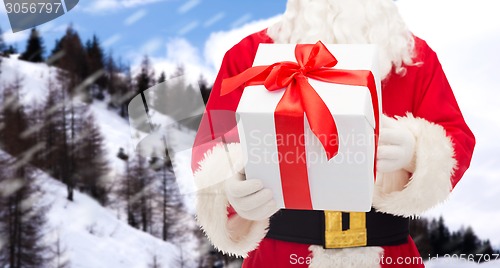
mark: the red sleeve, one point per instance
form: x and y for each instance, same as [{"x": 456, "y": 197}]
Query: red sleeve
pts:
[
  {"x": 219, "y": 121},
  {"x": 436, "y": 103}
]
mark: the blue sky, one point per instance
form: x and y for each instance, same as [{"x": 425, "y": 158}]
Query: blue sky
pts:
[{"x": 125, "y": 25}]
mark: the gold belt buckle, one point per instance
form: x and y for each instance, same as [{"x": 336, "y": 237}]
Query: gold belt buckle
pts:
[{"x": 355, "y": 236}]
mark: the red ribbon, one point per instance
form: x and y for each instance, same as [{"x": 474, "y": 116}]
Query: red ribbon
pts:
[{"x": 313, "y": 61}]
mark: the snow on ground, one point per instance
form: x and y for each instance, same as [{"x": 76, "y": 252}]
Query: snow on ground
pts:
[
  {"x": 33, "y": 77},
  {"x": 182, "y": 142},
  {"x": 94, "y": 237},
  {"x": 115, "y": 130},
  {"x": 116, "y": 133}
]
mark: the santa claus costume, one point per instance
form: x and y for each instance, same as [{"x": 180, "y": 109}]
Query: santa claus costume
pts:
[{"x": 425, "y": 148}]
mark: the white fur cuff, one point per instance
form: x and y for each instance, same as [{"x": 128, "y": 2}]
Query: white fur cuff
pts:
[
  {"x": 430, "y": 183},
  {"x": 237, "y": 235}
]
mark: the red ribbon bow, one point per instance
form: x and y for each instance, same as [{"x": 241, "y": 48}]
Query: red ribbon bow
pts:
[{"x": 313, "y": 61}]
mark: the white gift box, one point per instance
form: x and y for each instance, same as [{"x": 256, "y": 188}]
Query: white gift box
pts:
[{"x": 345, "y": 183}]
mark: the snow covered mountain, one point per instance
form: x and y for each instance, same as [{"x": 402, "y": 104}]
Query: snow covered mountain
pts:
[
  {"x": 91, "y": 235},
  {"x": 95, "y": 237}
]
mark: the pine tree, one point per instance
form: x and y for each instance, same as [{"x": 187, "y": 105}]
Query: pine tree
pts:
[
  {"x": 170, "y": 200},
  {"x": 470, "y": 242},
  {"x": 59, "y": 254},
  {"x": 22, "y": 218},
  {"x": 14, "y": 120},
  {"x": 60, "y": 127},
  {"x": 70, "y": 56},
  {"x": 34, "y": 48},
  {"x": 204, "y": 249},
  {"x": 180, "y": 260},
  {"x": 439, "y": 237},
  {"x": 204, "y": 89},
  {"x": 136, "y": 191},
  {"x": 143, "y": 202},
  {"x": 119, "y": 84},
  {"x": 53, "y": 131},
  {"x": 35, "y": 121},
  {"x": 126, "y": 92},
  {"x": 91, "y": 164},
  {"x": 10, "y": 50},
  {"x": 111, "y": 76},
  {"x": 162, "y": 78},
  {"x": 3, "y": 47},
  {"x": 419, "y": 230},
  {"x": 487, "y": 249},
  {"x": 154, "y": 262},
  {"x": 169, "y": 97},
  {"x": 95, "y": 62},
  {"x": 145, "y": 79}
]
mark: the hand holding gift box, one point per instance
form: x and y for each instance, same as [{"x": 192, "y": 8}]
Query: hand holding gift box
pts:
[{"x": 308, "y": 129}]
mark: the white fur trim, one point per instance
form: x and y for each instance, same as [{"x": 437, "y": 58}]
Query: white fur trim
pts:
[
  {"x": 430, "y": 183},
  {"x": 237, "y": 235},
  {"x": 366, "y": 257}
]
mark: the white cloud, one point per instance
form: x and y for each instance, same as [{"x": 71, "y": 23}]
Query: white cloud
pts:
[
  {"x": 9, "y": 37},
  {"x": 241, "y": 20},
  {"x": 60, "y": 28},
  {"x": 188, "y": 27},
  {"x": 220, "y": 42},
  {"x": 107, "y": 6},
  {"x": 211, "y": 21},
  {"x": 111, "y": 40},
  {"x": 188, "y": 6},
  {"x": 150, "y": 47},
  {"x": 135, "y": 17},
  {"x": 46, "y": 28},
  {"x": 179, "y": 51},
  {"x": 3, "y": 10},
  {"x": 446, "y": 21}
]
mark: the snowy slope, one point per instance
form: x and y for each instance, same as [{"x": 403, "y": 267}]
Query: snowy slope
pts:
[
  {"x": 116, "y": 130},
  {"x": 92, "y": 235},
  {"x": 33, "y": 78}
]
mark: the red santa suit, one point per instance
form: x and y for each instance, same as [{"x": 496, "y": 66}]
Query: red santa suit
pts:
[{"x": 421, "y": 99}]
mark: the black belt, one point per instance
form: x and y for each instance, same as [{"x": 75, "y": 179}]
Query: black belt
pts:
[{"x": 335, "y": 229}]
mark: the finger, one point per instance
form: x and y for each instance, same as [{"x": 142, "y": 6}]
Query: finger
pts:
[
  {"x": 388, "y": 122},
  {"x": 263, "y": 212},
  {"x": 389, "y": 152},
  {"x": 243, "y": 188},
  {"x": 254, "y": 200},
  {"x": 391, "y": 136},
  {"x": 386, "y": 166}
]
